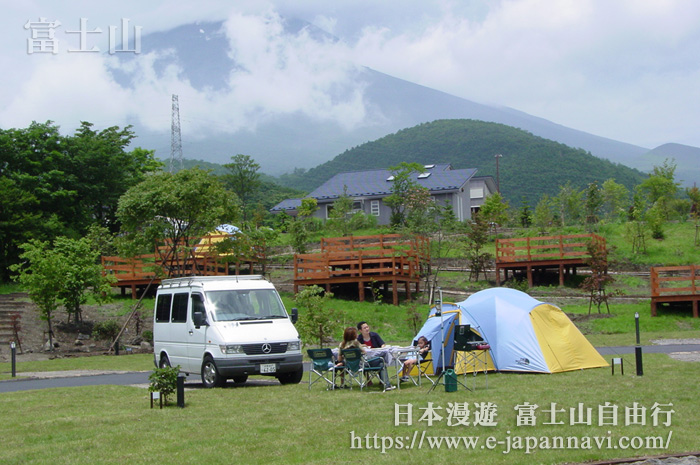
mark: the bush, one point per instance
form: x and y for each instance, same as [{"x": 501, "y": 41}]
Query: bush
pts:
[
  {"x": 164, "y": 380},
  {"x": 106, "y": 330},
  {"x": 148, "y": 336}
]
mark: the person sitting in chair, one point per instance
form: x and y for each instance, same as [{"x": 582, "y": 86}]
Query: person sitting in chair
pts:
[
  {"x": 350, "y": 341},
  {"x": 369, "y": 338},
  {"x": 423, "y": 349}
]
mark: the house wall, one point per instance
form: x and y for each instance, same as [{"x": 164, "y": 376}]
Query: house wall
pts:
[
  {"x": 478, "y": 191},
  {"x": 365, "y": 205},
  {"x": 461, "y": 206},
  {"x": 460, "y": 201}
]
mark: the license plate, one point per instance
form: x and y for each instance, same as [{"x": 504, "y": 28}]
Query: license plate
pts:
[{"x": 268, "y": 368}]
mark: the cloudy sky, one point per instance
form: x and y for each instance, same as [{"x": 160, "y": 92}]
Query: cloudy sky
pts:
[{"x": 624, "y": 69}]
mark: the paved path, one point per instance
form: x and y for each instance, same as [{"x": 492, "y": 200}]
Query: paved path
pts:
[{"x": 44, "y": 380}]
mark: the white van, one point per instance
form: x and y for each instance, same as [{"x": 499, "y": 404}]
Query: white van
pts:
[{"x": 225, "y": 327}]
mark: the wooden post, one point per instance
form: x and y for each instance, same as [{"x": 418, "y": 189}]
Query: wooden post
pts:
[{"x": 561, "y": 275}]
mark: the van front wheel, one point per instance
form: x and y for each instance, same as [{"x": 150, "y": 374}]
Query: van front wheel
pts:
[
  {"x": 210, "y": 375},
  {"x": 293, "y": 377}
]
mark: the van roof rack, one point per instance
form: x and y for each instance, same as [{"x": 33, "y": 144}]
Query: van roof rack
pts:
[{"x": 188, "y": 280}]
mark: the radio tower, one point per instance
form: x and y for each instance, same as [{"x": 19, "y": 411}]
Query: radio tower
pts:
[{"x": 175, "y": 137}]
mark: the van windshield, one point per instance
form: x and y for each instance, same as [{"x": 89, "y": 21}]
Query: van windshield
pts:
[{"x": 259, "y": 304}]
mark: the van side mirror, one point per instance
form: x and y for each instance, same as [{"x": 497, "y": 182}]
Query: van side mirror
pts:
[
  {"x": 295, "y": 315},
  {"x": 199, "y": 319}
]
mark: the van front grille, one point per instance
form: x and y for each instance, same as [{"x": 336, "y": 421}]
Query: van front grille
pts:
[{"x": 265, "y": 348}]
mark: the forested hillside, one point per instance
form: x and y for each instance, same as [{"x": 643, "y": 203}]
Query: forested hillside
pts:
[{"x": 530, "y": 165}]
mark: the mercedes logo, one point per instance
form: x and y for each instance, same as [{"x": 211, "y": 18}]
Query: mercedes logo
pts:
[{"x": 266, "y": 348}]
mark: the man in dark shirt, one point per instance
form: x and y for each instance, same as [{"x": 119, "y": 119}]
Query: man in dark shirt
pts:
[{"x": 367, "y": 337}]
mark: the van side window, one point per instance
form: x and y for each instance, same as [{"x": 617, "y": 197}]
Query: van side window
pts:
[
  {"x": 197, "y": 304},
  {"x": 163, "y": 308},
  {"x": 180, "y": 307}
]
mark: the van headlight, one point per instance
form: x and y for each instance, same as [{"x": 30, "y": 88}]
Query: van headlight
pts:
[
  {"x": 231, "y": 349},
  {"x": 294, "y": 345}
]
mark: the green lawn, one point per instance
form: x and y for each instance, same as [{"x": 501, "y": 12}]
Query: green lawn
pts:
[{"x": 290, "y": 424}]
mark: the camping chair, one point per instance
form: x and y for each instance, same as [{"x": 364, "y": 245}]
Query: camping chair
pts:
[
  {"x": 358, "y": 370},
  {"x": 322, "y": 365},
  {"x": 422, "y": 367},
  {"x": 418, "y": 370}
]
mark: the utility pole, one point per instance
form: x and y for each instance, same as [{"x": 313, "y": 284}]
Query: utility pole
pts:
[
  {"x": 498, "y": 180},
  {"x": 175, "y": 136}
]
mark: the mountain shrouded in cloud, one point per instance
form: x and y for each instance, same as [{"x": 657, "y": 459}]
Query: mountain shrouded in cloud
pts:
[{"x": 289, "y": 104}]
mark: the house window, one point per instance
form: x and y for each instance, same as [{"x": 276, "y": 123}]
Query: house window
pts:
[
  {"x": 374, "y": 207},
  {"x": 356, "y": 206},
  {"x": 476, "y": 193}
]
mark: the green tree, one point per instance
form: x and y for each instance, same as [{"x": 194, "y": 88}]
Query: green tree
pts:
[
  {"x": 61, "y": 273},
  {"x": 494, "y": 210},
  {"x": 660, "y": 187},
  {"x": 103, "y": 170},
  {"x": 569, "y": 204},
  {"x": 299, "y": 228},
  {"x": 422, "y": 215},
  {"x": 402, "y": 183},
  {"x": 40, "y": 274},
  {"x": 316, "y": 321},
  {"x": 82, "y": 274},
  {"x": 176, "y": 207},
  {"x": 340, "y": 213},
  {"x": 525, "y": 214},
  {"x": 543, "y": 216},
  {"x": 593, "y": 204},
  {"x": 243, "y": 179},
  {"x": 636, "y": 228},
  {"x": 476, "y": 239},
  {"x": 615, "y": 200},
  {"x": 53, "y": 185}
]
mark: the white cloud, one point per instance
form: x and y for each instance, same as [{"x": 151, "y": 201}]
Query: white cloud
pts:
[{"x": 626, "y": 70}]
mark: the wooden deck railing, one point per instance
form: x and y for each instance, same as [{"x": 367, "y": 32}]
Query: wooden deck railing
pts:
[
  {"x": 199, "y": 257},
  {"x": 533, "y": 249},
  {"x": 418, "y": 245},
  {"x": 355, "y": 263},
  {"x": 675, "y": 284},
  {"x": 140, "y": 267},
  {"x": 385, "y": 258},
  {"x": 675, "y": 280}
]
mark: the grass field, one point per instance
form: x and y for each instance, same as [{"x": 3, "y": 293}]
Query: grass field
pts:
[{"x": 290, "y": 424}]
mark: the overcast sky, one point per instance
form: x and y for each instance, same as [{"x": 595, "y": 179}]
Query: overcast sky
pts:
[{"x": 628, "y": 69}]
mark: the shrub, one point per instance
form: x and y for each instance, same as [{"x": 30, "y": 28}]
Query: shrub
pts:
[
  {"x": 164, "y": 380},
  {"x": 147, "y": 336},
  {"x": 106, "y": 330}
]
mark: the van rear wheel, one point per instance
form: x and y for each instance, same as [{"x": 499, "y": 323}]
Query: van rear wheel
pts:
[
  {"x": 164, "y": 361},
  {"x": 210, "y": 375}
]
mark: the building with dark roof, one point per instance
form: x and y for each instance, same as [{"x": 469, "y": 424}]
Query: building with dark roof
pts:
[{"x": 460, "y": 188}]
